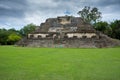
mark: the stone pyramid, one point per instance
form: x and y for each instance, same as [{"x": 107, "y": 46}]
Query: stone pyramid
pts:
[{"x": 68, "y": 32}]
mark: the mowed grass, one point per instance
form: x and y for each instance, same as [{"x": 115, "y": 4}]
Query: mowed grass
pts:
[{"x": 21, "y": 63}]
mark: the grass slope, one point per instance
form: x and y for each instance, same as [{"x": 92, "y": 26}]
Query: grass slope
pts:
[{"x": 18, "y": 63}]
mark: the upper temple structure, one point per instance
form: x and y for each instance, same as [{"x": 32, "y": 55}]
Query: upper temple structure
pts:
[{"x": 68, "y": 32}]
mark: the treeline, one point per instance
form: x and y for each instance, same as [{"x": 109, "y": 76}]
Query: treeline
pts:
[
  {"x": 11, "y": 36},
  {"x": 111, "y": 29}
]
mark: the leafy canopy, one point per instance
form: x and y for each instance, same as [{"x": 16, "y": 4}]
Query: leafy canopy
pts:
[{"x": 90, "y": 14}]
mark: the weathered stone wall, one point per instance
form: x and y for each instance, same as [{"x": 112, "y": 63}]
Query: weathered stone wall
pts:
[
  {"x": 64, "y": 20},
  {"x": 62, "y": 35},
  {"x": 96, "y": 42},
  {"x": 80, "y": 35},
  {"x": 40, "y": 43},
  {"x": 37, "y": 35},
  {"x": 71, "y": 43}
]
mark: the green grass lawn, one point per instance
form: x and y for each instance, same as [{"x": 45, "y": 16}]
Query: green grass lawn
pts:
[{"x": 21, "y": 63}]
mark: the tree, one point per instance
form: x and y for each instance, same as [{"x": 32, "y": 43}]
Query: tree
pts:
[
  {"x": 3, "y": 36},
  {"x": 104, "y": 27},
  {"x": 115, "y": 29},
  {"x": 27, "y": 29},
  {"x": 9, "y": 36},
  {"x": 90, "y": 15},
  {"x": 12, "y": 35},
  {"x": 12, "y": 38}
]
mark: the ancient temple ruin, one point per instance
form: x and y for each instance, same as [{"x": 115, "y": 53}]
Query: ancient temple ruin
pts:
[{"x": 68, "y": 32}]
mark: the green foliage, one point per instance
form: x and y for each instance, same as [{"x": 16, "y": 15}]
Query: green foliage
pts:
[
  {"x": 3, "y": 36},
  {"x": 7, "y": 35},
  {"x": 18, "y": 63},
  {"x": 12, "y": 38},
  {"x": 103, "y": 27},
  {"x": 112, "y": 29},
  {"x": 27, "y": 29},
  {"x": 115, "y": 29},
  {"x": 90, "y": 15}
]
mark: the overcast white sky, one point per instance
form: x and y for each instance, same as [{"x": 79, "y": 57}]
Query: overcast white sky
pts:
[{"x": 18, "y": 13}]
